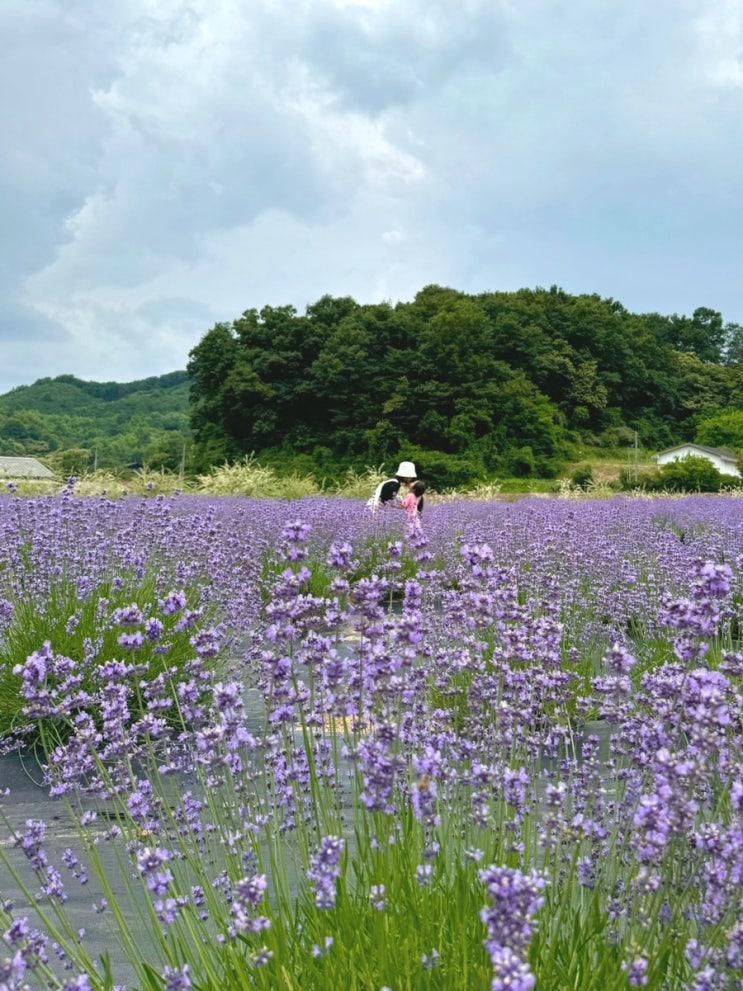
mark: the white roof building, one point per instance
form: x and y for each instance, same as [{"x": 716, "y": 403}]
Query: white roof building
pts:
[
  {"x": 722, "y": 458},
  {"x": 15, "y": 469}
]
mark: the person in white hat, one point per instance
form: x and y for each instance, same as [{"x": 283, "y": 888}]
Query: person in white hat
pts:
[{"x": 389, "y": 490}]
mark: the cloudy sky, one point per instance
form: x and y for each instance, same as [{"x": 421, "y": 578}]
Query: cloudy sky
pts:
[{"x": 169, "y": 163}]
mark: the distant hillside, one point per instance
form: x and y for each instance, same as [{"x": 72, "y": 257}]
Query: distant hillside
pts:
[{"x": 120, "y": 423}]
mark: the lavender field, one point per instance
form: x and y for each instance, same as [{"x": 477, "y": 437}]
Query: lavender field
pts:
[{"x": 294, "y": 746}]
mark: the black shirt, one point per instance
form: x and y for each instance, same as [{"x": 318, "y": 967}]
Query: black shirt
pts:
[{"x": 389, "y": 490}]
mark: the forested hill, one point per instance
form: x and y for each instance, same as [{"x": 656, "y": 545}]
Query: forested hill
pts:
[
  {"x": 497, "y": 382},
  {"x": 126, "y": 423},
  {"x": 469, "y": 386}
]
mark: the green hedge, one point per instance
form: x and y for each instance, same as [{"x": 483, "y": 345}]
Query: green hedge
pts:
[{"x": 692, "y": 474}]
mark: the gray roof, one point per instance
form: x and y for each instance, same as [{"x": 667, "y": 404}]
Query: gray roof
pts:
[
  {"x": 23, "y": 468},
  {"x": 722, "y": 452}
]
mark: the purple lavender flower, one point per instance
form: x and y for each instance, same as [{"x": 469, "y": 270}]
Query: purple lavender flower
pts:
[
  {"x": 734, "y": 951},
  {"x": 478, "y": 557},
  {"x": 131, "y": 641},
  {"x": 340, "y": 555},
  {"x": 430, "y": 961},
  {"x": 709, "y": 979},
  {"x": 188, "y": 620},
  {"x": 510, "y": 972},
  {"x": 13, "y": 971},
  {"x": 173, "y": 603},
  {"x": 712, "y": 580},
  {"x": 7, "y": 611},
  {"x": 128, "y": 616},
  {"x": 206, "y": 643},
  {"x": 80, "y": 983},
  {"x": 154, "y": 630},
  {"x": 325, "y": 870},
  {"x": 177, "y": 978},
  {"x": 321, "y": 951},
  {"x": 516, "y": 899},
  {"x": 53, "y": 885},
  {"x": 167, "y": 910},
  {"x": 247, "y": 897},
  {"x": 424, "y": 875},
  {"x": 637, "y": 972},
  {"x": 262, "y": 957},
  {"x": 251, "y": 890},
  {"x": 151, "y": 862},
  {"x": 515, "y": 786},
  {"x": 428, "y": 769},
  {"x": 653, "y": 824},
  {"x": 619, "y": 660},
  {"x": 376, "y": 897},
  {"x": 19, "y": 932},
  {"x": 379, "y": 767},
  {"x": 140, "y": 803},
  {"x": 296, "y": 531},
  {"x": 32, "y": 842},
  {"x": 34, "y": 670}
]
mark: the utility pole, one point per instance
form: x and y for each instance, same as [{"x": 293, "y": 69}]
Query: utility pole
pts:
[
  {"x": 183, "y": 462},
  {"x": 95, "y": 459},
  {"x": 635, "y": 462}
]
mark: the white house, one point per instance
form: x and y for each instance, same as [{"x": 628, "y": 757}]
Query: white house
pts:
[{"x": 722, "y": 458}]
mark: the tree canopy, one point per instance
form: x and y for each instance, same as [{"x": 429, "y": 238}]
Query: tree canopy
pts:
[
  {"x": 503, "y": 382},
  {"x": 467, "y": 385},
  {"x": 725, "y": 430}
]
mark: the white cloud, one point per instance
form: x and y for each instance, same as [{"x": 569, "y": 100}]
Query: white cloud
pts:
[
  {"x": 172, "y": 162},
  {"x": 359, "y": 3},
  {"x": 720, "y": 30}
]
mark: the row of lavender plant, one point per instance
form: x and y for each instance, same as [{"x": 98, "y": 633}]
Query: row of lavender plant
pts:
[{"x": 504, "y": 754}]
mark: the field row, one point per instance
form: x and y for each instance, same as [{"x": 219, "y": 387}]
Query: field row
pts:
[{"x": 295, "y": 746}]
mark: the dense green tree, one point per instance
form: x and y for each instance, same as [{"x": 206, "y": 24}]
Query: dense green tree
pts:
[
  {"x": 702, "y": 388},
  {"x": 733, "y": 354},
  {"x": 688, "y": 475},
  {"x": 496, "y": 382},
  {"x": 500, "y": 381},
  {"x": 724, "y": 430},
  {"x": 72, "y": 461},
  {"x": 702, "y": 334}
]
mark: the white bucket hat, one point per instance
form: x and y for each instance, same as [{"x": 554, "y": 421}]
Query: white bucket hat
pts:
[{"x": 406, "y": 469}]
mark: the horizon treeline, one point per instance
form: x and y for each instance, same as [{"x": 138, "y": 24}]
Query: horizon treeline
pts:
[
  {"x": 467, "y": 385},
  {"x": 73, "y": 424}
]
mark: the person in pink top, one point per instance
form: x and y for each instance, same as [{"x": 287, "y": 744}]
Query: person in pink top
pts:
[{"x": 413, "y": 504}]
